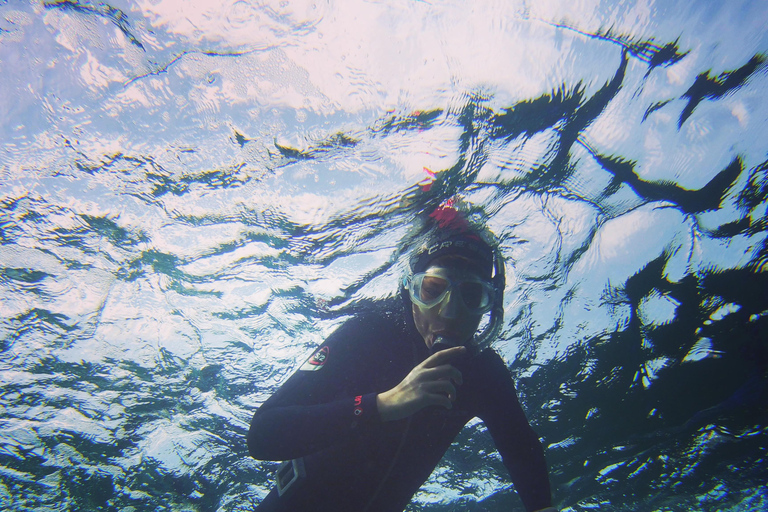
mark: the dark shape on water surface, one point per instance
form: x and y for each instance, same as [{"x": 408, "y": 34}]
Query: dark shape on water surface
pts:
[
  {"x": 335, "y": 141},
  {"x": 241, "y": 139},
  {"x": 608, "y": 386},
  {"x": 116, "y": 234},
  {"x": 706, "y": 87},
  {"x": 646, "y": 50},
  {"x": 653, "y": 108},
  {"x": 529, "y": 117},
  {"x": 419, "y": 120},
  {"x": 756, "y": 190},
  {"x": 113, "y": 14},
  {"x": 665, "y": 55},
  {"x": 206, "y": 378},
  {"x": 292, "y": 153},
  {"x": 564, "y": 105},
  {"x": 24, "y": 275},
  {"x": 707, "y": 198},
  {"x": 561, "y": 167}
]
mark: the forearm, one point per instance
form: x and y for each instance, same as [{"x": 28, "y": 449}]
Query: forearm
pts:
[
  {"x": 528, "y": 470},
  {"x": 292, "y": 431},
  {"x": 516, "y": 441}
]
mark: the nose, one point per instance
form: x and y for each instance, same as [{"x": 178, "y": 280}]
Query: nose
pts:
[{"x": 449, "y": 309}]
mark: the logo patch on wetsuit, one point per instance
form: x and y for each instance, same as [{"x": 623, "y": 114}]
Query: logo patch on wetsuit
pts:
[{"x": 317, "y": 360}]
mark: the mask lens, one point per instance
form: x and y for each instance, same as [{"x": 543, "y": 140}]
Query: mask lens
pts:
[
  {"x": 474, "y": 294},
  {"x": 432, "y": 288}
]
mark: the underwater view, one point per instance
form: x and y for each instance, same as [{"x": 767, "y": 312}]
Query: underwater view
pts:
[{"x": 194, "y": 195}]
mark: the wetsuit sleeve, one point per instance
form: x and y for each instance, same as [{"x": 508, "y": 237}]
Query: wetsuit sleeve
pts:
[
  {"x": 516, "y": 441},
  {"x": 324, "y": 402}
]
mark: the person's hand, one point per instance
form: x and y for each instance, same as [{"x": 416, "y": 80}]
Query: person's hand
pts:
[{"x": 433, "y": 382}]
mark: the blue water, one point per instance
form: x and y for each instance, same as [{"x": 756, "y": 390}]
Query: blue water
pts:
[{"x": 193, "y": 195}]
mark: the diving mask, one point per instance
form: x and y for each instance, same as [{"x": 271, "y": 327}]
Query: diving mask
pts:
[{"x": 433, "y": 287}]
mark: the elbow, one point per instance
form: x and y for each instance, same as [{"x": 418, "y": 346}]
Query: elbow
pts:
[
  {"x": 258, "y": 442},
  {"x": 261, "y": 450},
  {"x": 267, "y": 439},
  {"x": 255, "y": 449}
]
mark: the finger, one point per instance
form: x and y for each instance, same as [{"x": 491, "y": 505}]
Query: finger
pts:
[
  {"x": 444, "y": 372},
  {"x": 439, "y": 400},
  {"x": 441, "y": 387},
  {"x": 443, "y": 357}
]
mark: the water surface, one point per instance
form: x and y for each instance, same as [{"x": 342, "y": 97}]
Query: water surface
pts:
[{"x": 193, "y": 195}]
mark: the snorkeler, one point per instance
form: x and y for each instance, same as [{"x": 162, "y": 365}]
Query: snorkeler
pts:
[{"x": 366, "y": 419}]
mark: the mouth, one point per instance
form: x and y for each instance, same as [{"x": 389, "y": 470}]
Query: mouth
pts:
[{"x": 451, "y": 335}]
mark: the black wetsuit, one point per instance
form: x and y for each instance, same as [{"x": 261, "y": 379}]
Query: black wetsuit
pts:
[{"x": 326, "y": 414}]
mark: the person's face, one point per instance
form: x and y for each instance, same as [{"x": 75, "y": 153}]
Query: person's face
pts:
[{"x": 448, "y": 318}]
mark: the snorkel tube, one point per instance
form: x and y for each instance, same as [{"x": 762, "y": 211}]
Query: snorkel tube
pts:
[{"x": 483, "y": 340}]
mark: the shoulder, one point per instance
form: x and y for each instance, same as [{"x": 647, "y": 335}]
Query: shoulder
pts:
[
  {"x": 496, "y": 391},
  {"x": 366, "y": 327},
  {"x": 367, "y": 322},
  {"x": 491, "y": 366},
  {"x": 387, "y": 315},
  {"x": 490, "y": 357}
]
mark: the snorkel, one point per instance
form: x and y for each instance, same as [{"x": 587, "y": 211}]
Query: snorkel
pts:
[{"x": 484, "y": 339}]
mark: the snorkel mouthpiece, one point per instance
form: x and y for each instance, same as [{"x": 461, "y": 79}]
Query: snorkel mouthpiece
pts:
[{"x": 443, "y": 342}]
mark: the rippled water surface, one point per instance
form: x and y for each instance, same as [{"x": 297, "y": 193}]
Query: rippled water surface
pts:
[{"x": 194, "y": 194}]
